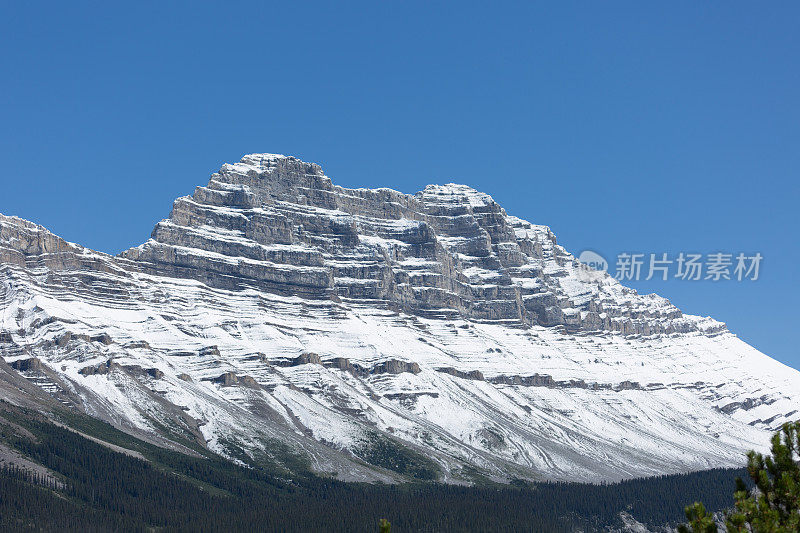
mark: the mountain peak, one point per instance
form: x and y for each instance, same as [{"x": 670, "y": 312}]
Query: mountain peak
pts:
[
  {"x": 272, "y": 305},
  {"x": 449, "y": 250}
]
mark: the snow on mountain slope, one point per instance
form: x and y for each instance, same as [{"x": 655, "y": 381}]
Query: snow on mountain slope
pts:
[{"x": 274, "y": 309}]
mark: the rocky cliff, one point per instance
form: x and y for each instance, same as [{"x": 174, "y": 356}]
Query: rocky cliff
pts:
[{"x": 278, "y": 224}]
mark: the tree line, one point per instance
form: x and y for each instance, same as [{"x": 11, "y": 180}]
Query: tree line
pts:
[{"x": 97, "y": 489}]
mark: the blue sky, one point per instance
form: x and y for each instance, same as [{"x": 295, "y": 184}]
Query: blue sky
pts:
[{"x": 625, "y": 126}]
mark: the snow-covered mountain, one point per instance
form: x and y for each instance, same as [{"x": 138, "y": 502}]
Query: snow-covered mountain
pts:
[{"x": 381, "y": 336}]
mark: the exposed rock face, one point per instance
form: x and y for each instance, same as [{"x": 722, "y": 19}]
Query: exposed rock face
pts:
[
  {"x": 229, "y": 378},
  {"x": 276, "y": 223},
  {"x": 103, "y": 368},
  {"x": 27, "y": 365},
  {"x": 274, "y": 306}
]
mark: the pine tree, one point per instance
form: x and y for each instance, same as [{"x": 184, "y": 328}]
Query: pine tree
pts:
[
  {"x": 700, "y": 520},
  {"x": 773, "y": 506}
]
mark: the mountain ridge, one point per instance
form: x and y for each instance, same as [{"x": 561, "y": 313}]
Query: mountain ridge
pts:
[{"x": 274, "y": 306}]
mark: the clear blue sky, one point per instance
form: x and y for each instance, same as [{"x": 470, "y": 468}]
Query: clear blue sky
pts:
[{"x": 624, "y": 126}]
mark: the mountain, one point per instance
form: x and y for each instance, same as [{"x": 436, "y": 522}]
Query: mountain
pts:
[{"x": 377, "y": 336}]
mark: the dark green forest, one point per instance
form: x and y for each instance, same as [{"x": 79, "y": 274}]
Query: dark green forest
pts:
[{"x": 96, "y": 489}]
